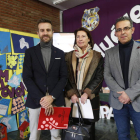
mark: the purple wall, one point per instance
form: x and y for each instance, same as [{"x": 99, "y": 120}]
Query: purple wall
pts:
[{"x": 109, "y": 11}]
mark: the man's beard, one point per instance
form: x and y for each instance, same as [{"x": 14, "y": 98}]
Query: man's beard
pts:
[{"x": 49, "y": 38}]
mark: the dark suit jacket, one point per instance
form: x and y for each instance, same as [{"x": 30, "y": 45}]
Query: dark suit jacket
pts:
[{"x": 38, "y": 80}]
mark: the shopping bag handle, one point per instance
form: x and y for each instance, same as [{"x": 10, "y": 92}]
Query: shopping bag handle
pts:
[{"x": 79, "y": 113}]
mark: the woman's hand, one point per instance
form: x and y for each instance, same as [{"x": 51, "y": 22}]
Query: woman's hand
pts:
[
  {"x": 84, "y": 98},
  {"x": 74, "y": 99}
]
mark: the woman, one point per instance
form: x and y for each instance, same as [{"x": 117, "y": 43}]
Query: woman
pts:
[{"x": 85, "y": 69}]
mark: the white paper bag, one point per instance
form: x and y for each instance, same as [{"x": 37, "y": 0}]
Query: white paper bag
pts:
[{"x": 86, "y": 110}]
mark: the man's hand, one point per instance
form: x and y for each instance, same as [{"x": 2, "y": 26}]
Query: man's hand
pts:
[
  {"x": 46, "y": 101},
  {"x": 49, "y": 110},
  {"x": 84, "y": 98},
  {"x": 74, "y": 99},
  {"x": 124, "y": 98}
]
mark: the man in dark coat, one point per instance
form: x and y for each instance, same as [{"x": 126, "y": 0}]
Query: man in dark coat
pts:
[{"x": 45, "y": 76}]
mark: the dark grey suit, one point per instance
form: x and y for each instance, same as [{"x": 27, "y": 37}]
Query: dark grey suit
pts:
[{"x": 114, "y": 78}]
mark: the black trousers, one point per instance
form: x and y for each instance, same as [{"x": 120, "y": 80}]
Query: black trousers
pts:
[{"x": 92, "y": 132}]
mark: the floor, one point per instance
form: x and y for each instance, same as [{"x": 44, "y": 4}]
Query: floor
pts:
[{"x": 105, "y": 130}]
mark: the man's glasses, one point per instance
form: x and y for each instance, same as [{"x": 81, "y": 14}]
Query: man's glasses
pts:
[{"x": 124, "y": 29}]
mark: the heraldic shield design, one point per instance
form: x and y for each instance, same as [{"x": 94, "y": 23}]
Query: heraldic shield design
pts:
[{"x": 90, "y": 19}]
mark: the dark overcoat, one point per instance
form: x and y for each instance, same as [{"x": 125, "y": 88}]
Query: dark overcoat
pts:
[{"x": 92, "y": 82}]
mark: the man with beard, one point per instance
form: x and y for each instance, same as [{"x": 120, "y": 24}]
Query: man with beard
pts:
[{"x": 45, "y": 76}]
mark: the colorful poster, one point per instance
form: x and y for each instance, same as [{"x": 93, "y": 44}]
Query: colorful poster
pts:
[
  {"x": 20, "y": 61},
  {"x": 14, "y": 80},
  {"x": 36, "y": 41},
  {"x": 3, "y": 62},
  {"x": 21, "y": 43},
  {"x": 12, "y": 61},
  {"x": 17, "y": 105},
  {"x": 5, "y": 43},
  {"x": 12, "y": 48},
  {"x": 4, "y": 106},
  {"x": 23, "y": 116},
  {"x": 10, "y": 122}
]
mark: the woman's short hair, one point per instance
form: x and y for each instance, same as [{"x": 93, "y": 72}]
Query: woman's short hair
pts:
[{"x": 91, "y": 42}]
